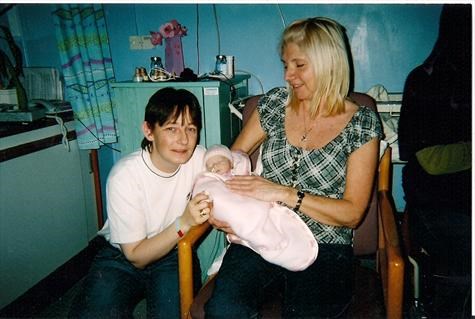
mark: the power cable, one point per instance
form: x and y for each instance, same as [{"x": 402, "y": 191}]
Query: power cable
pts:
[
  {"x": 97, "y": 139},
  {"x": 217, "y": 28},
  {"x": 198, "y": 38},
  {"x": 281, "y": 15}
]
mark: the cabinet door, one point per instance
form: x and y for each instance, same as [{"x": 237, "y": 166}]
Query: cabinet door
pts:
[
  {"x": 45, "y": 214},
  {"x": 221, "y": 126},
  {"x": 231, "y": 122},
  {"x": 129, "y": 110}
]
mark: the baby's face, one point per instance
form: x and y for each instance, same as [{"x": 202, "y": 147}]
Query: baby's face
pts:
[{"x": 218, "y": 164}]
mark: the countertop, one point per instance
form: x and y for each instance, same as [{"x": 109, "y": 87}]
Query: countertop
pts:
[
  {"x": 22, "y": 138},
  {"x": 12, "y": 128}
]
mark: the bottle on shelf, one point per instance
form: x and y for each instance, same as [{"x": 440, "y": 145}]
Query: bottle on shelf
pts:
[
  {"x": 144, "y": 75},
  {"x": 137, "y": 77}
]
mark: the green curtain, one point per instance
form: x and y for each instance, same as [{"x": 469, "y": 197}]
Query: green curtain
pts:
[{"x": 87, "y": 68}]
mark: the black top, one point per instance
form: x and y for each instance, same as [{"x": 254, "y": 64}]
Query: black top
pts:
[{"x": 436, "y": 109}]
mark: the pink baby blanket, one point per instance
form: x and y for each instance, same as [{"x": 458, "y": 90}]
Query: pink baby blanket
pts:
[{"x": 277, "y": 233}]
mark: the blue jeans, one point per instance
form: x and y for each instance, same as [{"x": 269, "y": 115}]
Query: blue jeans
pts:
[
  {"x": 113, "y": 287},
  {"x": 323, "y": 290}
]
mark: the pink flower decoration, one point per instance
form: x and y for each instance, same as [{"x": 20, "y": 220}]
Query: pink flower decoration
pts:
[{"x": 167, "y": 30}]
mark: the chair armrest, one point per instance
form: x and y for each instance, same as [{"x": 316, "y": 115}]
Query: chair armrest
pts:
[
  {"x": 390, "y": 260},
  {"x": 384, "y": 171},
  {"x": 185, "y": 265}
]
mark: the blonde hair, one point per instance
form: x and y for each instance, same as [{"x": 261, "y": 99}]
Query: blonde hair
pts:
[{"x": 323, "y": 41}]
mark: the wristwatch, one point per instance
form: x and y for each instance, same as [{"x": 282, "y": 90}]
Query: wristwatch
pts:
[{"x": 300, "y": 196}]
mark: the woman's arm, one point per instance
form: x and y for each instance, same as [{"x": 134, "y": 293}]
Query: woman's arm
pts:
[
  {"x": 148, "y": 250},
  {"x": 347, "y": 211}
]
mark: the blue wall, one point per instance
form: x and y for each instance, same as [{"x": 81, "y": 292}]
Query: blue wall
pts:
[{"x": 387, "y": 40}]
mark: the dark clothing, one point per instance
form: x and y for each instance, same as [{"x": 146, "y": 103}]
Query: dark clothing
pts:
[
  {"x": 437, "y": 191},
  {"x": 436, "y": 110},
  {"x": 430, "y": 113},
  {"x": 445, "y": 235},
  {"x": 431, "y": 116},
  {"x": 322, "y": 290}
]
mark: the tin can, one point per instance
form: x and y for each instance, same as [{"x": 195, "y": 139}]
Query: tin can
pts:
[{"x": 230, "y": 66}]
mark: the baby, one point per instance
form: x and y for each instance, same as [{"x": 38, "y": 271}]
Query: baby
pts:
[{"x": 274, "y": 231}]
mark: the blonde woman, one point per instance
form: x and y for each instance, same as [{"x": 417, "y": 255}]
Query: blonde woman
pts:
[{"x": 319, "y": 157}]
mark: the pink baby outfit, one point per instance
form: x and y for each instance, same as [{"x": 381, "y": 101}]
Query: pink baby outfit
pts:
[{"x": 275, "y": 232}]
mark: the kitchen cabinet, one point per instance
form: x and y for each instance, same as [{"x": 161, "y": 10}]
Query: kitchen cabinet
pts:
[{"x": 47, "y": 205}]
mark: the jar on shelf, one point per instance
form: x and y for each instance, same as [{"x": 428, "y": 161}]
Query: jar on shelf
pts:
[{"x": 220, "y": 67}]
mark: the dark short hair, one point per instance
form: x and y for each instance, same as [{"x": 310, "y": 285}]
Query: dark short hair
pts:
[{"x": 166, "y": 105}]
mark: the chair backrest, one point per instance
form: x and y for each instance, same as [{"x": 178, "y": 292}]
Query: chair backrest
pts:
[
  {"x": 366, "y": 235},
  {"x": 249, "y": 107}
]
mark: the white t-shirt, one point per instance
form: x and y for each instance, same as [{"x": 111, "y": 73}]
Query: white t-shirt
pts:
[{"x": 142, "y": 200}]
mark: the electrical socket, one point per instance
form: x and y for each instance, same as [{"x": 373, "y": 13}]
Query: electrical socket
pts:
[{"x": 140, "y": 42}]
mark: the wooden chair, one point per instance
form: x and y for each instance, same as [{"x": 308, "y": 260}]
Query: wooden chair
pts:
[{"x": 377, "y": 237}]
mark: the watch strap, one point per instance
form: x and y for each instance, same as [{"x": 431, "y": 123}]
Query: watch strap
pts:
[{"x": 300, "y": 196}]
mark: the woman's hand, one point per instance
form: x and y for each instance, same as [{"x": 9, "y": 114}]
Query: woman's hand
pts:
[
  {"x": 258, "y": 188},
  {"x": 197, "y": 211}
]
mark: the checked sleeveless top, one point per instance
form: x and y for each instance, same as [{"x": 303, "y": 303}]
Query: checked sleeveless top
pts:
[{"x": 320, "y": 171}]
